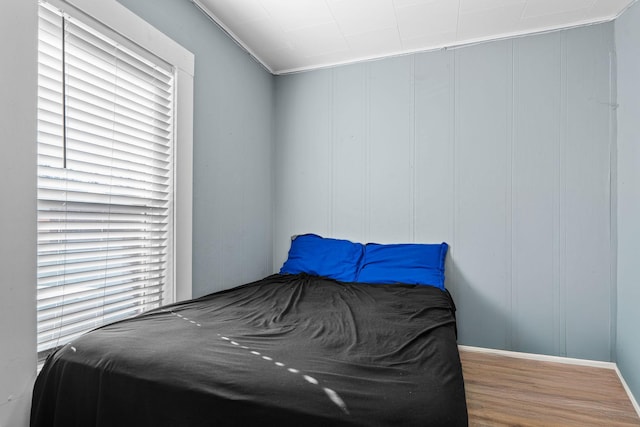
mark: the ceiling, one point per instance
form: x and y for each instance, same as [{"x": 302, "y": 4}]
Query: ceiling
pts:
[{"x": 295, "y": 35}]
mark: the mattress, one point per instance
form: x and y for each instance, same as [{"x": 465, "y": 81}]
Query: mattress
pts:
[{"x": 288, "y": 350}]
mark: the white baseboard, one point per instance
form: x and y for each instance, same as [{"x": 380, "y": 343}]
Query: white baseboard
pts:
[
  {"x": 541, "y": 357},
  {"x": 559, "y": 359},
  {"x": 634, "y": 402}
]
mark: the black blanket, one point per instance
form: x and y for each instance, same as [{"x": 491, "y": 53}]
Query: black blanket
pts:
[{"x": 284, "y": 351}]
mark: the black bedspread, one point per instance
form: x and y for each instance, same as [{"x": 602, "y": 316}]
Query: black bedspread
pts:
[{"x": 284, "y": 351}]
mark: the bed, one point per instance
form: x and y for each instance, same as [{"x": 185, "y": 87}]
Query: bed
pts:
[{"x": 294, "y": 349}]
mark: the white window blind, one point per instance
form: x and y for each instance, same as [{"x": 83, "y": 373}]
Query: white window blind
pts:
[{"x": 105, "y": 180}]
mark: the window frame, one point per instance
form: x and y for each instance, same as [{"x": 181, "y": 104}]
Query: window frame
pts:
[{"x": 117, "y": 21}]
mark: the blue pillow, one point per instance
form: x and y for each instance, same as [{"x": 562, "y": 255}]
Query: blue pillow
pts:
[
  {"x": 411, "y": 263},
  {"x": 320, "y": 256}
]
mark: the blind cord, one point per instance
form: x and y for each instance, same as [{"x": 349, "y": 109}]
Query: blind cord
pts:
[{"x": 64, "y": 93}]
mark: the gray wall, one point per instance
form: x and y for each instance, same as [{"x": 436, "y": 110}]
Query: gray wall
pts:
[
  {"x": 501, "y": 149},
  {"x": 18, "y": 41},
  {"x": 233, "y": 141},
  {"x": 627, "y": 32}
]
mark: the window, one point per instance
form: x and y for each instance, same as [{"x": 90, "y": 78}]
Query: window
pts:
[{"x": 106, "y": 178}]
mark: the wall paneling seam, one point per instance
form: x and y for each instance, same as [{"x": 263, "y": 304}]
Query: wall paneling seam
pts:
[
  {"x": 412, "y": 160},
  {"x": 562, "y": 288},
  {"x": 331, "y": 152},
  {"x": 367, "y": 151},
  {"x": 556, "y": 203},
  {"x": 613, "y": 203},
  {"x": 511, "y": 328},
  {"x": 455, "y": 72}
]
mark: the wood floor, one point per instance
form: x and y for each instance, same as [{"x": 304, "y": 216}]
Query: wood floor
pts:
[{"x": 509, "y": 391}]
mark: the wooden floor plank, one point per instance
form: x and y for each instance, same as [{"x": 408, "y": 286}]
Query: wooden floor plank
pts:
[{"x": 510, "y": 391}]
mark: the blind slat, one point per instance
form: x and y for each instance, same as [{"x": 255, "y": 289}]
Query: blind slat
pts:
[
  {"x": 64, "y": 247},
  {"x": 52, "y": 302},
  {"x": 71, "y": 289},
  {"x": 47, "y": 160},
  {"x": 106, "y": 255},
  {"x": 84, "y": 265},
  {"x": 88, "y": 304},
  {"x": 104, "y": 274}
]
